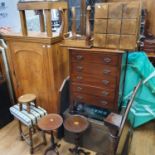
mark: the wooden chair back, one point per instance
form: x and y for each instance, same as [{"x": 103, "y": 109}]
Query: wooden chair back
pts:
[{"x": 42, "y": 8}]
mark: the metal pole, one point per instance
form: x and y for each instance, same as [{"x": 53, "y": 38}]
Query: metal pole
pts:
[{"x": 4, "y": 57}]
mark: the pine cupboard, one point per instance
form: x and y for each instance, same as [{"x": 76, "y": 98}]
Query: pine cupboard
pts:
[{"x": 38, "y": 65}]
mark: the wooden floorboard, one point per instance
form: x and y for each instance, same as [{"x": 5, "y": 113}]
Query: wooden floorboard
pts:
[
  {"x": 143, "y": 142},
  {"x": 10, "y": 143}
]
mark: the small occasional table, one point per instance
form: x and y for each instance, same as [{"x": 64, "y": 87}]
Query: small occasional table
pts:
[
  {"x": 77, "y": 124},
  {"x": 50, "y": 123}
]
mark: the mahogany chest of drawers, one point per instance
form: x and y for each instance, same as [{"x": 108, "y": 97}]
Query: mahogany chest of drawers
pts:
[{"x": 95, "y": 77}]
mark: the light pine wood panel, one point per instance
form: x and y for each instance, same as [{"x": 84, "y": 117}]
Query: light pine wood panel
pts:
[
  {"x": 38, "y": 69},
  {"x": 150, "y": 6}
]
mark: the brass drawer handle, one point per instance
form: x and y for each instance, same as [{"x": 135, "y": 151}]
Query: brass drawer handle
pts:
[
  {"x": 105, "y": 82},
  {"x": 79, "y": 77},
  {"x": 79, "y": 88},
  {"x": 79, "y": 68},
  {"x": 105, "y": 93},
  {"x": 79, "y": 97},
  {"x": 107, "y": 60},
  {"x": 79, "y": 57},
  {"x": 106, "y": 71},
  {"x": 104, "y": 102}
]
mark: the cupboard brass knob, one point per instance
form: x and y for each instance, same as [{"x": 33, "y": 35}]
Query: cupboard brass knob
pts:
[
  {"x": 106, "y": 71},
  {"x": 104, "y": 102},
  {"x": 79, "y": 57},
  {"x": 105, "y": 93},
  {"x": 48, "y": 46},
  {"x": 43, "y": 46},
  {"x": 107, "y": 60},
  {"x": 105, "y": 82}
]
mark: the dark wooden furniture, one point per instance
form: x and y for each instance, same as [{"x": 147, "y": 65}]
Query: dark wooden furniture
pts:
[
  {"x": 76, "y": 124},
  {"x": 37, "y": 63},
  {"x": 50, "y": 123},
  {"x": 95, "y": 77},
  {"x": 149, "y": 47},
  {"x": 116, "y": 122}
]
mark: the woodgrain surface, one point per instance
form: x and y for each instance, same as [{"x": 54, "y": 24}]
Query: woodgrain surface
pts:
[
  {"x": 122, "y": 19},
  {"x": 39, "y": 69},
  {"x": 143, "y": 142},
  {"x": 11, "y": 144},
  {"x": 150, "y": 6},
  {"x": 92, "y": 69}
]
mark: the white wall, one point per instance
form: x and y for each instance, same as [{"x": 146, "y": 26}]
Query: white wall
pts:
[{"x": 9, "y": 15}]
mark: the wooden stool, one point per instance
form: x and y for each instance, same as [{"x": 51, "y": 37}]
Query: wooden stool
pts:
[
  {"x": 27, "y": 99},
  {"x": 76, "y": 124},
  {"x": 50, "y": 123}
]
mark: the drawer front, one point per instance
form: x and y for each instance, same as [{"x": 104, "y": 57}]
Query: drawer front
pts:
[
  {"x": 94, "y": 69},
  {"x": 101, "y": 58},
  {"x": 86, "y": 89},
  {"x": 93, "y": 100},
  {"x": 105, "y": 82}
]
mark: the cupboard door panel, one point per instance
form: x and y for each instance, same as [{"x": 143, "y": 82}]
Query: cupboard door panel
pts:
[{"x": 30, "y": 70}]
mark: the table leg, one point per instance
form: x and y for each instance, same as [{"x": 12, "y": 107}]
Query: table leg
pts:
[{"x": 53, "y": 146}]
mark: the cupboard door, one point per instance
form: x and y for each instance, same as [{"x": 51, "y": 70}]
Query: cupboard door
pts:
[{"x": 30, "y": 69}]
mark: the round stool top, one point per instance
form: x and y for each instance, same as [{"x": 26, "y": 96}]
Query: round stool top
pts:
[
  {"x": 50, "y": 122},
  {"x": 26, "y": 98},
  {"x": 76, "y": 123}
]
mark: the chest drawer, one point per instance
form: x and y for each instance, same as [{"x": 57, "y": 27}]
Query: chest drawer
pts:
[
  {"x": 93, "y": 100},
  {"x": 101, "y": 82},
  {"x": 90, "y": 90},
  {"x": 94, "y": 69},
  {"x": 101, "y": 58}
]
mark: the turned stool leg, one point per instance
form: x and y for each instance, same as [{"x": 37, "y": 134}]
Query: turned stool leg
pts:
[
  {"x": 20, "y": 106},
  {"x": 20, "y": 130},
  {"x": 31, "y": 140},
  {"x": 35, "y": 104},
  {"x": 28, "y": 107},
  {"x": 44, "y": 137}
]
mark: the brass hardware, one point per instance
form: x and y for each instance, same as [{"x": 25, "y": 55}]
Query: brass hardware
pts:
[
  {"x": 79, "y": 88},
  {"x": 79, "y": 77},
  {"x": 79, "y": 68},
  {"x": 107, "y": 60},
  {"x": 80, "y": 97},
  {"x": 48, "y": 46},
  {"x": 105, "y": 93},
  {"x": 105, "y": 82},
  {"x": 79, "y": 57},
  {"x": 106, "y": 71},
  {"x": 104, "y": 102}
]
